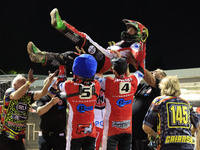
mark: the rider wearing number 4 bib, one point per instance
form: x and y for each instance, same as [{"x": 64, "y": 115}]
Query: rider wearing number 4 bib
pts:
[
  {"x": 119, "y": 92},
  {"x": 176, "y": 118},
  {"x": 82, "y": 93}
]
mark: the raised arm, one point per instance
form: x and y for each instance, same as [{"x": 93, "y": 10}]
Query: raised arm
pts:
[
  {"x": 43, "y": 109},
  {"x": 137, "y": 65},
  {"x": 148, "y": 77},
  {"x": 22, "y": 90},
  {"x": 43, "y": 92}
]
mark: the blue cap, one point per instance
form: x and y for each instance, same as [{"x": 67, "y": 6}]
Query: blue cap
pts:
[{"x": 85, "y": 65}]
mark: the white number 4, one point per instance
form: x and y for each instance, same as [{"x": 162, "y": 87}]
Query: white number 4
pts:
[{"x": 124, "y": 87}]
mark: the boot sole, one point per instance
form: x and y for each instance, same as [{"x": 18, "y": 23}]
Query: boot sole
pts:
[
  {"x": 53, "y": 17},
  {"x": 31, "y": 52}
]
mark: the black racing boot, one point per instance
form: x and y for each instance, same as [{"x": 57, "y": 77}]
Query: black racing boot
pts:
[{"x": 50, "y": 58}]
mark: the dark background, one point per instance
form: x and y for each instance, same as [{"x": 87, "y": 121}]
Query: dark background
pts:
[{"x": 174, "y": 30}]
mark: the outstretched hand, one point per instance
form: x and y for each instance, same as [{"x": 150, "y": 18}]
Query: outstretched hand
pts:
[
  {"x": 131, "y": 59},
  {"x": 31, "y": 79},
  {"x": 116, "y": 53},
  {"x": 55, "y": 100},
  {"x": 52, "y": 75}
]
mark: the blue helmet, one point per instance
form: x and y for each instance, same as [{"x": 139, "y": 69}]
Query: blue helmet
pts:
[{"x": 85, "y": 65}]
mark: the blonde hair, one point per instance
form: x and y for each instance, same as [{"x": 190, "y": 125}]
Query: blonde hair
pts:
[
  {"x": 162, "y": 72},
  {"x": 170, "y": 86}
]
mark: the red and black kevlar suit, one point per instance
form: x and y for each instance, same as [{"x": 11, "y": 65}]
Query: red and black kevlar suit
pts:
[
  {"x": 119, "y": 93},
  {"x": 82, "y": 97},
  {"x": 102, "y": 55}
]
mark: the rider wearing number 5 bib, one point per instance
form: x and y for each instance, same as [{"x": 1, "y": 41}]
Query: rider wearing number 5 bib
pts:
[
  {"x": 119, "y": 92},
  {"x": 82, "y": 93}
]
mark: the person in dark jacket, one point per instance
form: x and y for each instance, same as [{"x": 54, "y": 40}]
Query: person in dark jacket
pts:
[
  {"x": 144, "y": 95},
  {"x": 53, "y": 115}
]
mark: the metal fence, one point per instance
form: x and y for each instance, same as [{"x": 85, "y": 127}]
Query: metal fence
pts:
[{"x": 4, "y": 85}]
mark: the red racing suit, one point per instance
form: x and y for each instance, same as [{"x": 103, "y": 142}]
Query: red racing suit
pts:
[
  {"x": 119, "y": 93},
  {"x": 102, "y": 55},
  {"x": 81, "y": 108}
]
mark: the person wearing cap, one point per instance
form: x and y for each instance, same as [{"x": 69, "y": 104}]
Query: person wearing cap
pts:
[
  {"x": 53, "y": 115},
  {"x": 132, "y": 40},
  {"x": 119, "y": 92},
  {"x": 81, "y": 93}
]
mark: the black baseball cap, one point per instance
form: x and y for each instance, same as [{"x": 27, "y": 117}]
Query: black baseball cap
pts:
[{"x": 119, "y": 65}]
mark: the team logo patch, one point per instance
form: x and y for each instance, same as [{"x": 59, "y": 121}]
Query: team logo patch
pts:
[
  {"x": 18, "y": 117},
  {"x": 148, "y": 92},
  {"x": 136, "y": 46},
  {"x": 60, "y": 107},
  {"x": 82, "y": 108},
  {"x": 21, "y": 107},
  {"x": 178, "y": 139},
  {"x": 84, "y": 128},
  {"x": 72, "y": 37},
  {"x": 101, "y": 103},
  {"x": 97, "y": 123},
  {"x": 140, "y": 75},
  {"x": 121, "y": 124},
  {"x": 99, "y": 56},
  {"x": 91, "y": 49},
  {"x": 60, "y": 102},
  {"x": 121, "y": 102}
]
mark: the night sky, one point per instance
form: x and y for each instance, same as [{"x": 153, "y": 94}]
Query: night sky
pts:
[{"x": 174, "y": 30}]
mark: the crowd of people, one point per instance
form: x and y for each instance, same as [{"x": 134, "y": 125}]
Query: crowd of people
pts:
[{"x": 104, "y": 112}]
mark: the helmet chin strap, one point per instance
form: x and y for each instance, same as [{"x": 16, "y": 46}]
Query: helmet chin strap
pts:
[{"x": 142, "y": 32}]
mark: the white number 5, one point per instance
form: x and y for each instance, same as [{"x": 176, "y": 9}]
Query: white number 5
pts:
[{"x": 86, "y": 92}]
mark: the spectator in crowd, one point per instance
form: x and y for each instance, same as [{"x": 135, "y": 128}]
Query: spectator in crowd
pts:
[
  {"x": 15, "y": 111},
  {"x": 143, "y": 97},
  {"x": 145, "y": 94},
  {"x": 176, "y": 118},
  {"x": 52, "y": 111}
]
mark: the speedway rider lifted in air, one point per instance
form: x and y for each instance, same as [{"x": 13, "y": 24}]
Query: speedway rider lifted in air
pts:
[{"x": 133, "y": 40}]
